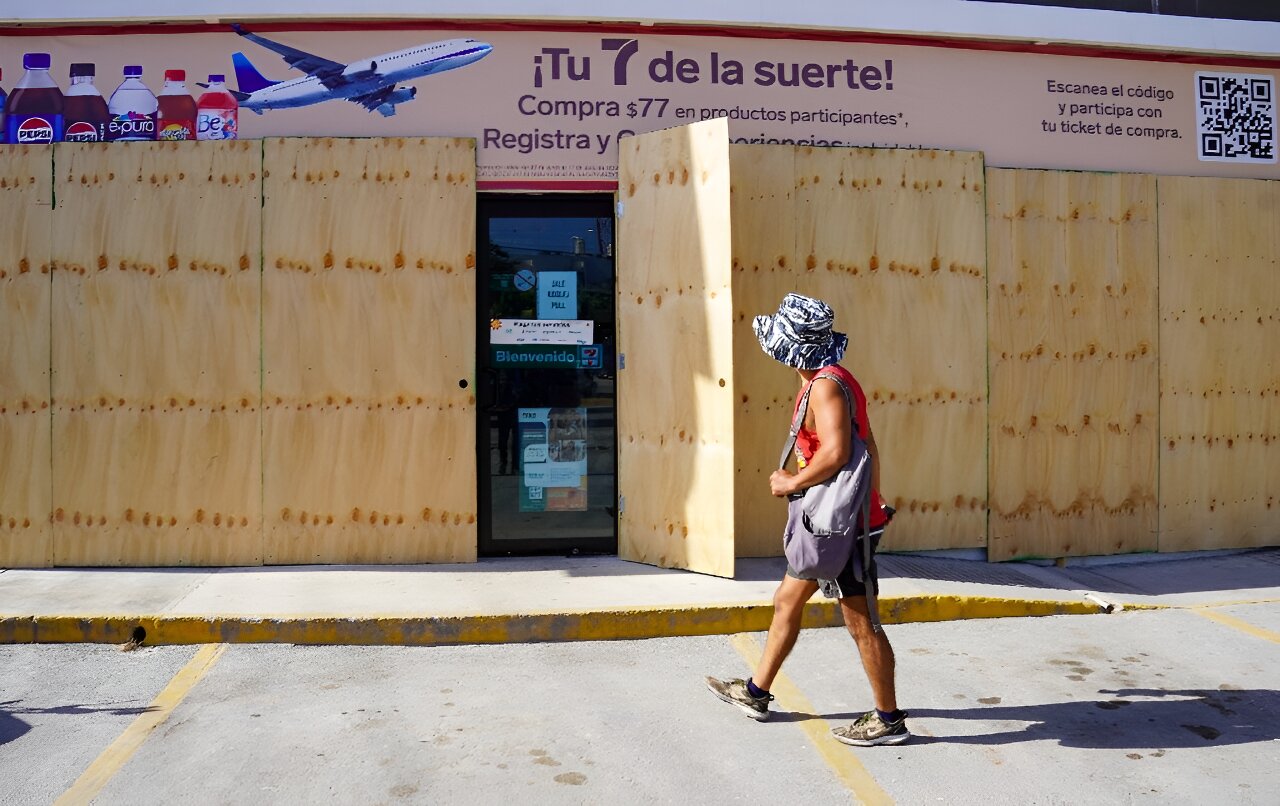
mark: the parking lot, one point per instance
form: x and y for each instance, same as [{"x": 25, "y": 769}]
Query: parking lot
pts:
[{"x": 1178, "y": 706}]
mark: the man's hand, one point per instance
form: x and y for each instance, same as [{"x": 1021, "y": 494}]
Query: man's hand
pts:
[{"x": 782, "y": 483}]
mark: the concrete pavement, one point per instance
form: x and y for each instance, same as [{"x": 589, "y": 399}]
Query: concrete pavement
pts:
[
  {"x": 1163, "y": 707},
  {"x": 576, "y": 598}
]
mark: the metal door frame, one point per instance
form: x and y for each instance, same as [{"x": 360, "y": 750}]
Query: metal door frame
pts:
[{"x": 556, "y": 205}]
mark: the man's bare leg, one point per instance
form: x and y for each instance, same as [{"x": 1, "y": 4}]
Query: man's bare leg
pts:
[
  {"x": 876, "y": 652},
  {"x": 788, "y": 610}
]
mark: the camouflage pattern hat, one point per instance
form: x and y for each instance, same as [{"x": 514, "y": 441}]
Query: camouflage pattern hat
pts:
[{"x": 800, "y": 335}]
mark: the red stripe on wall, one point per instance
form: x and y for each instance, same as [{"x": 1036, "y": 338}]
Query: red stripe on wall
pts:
[
  {"x": 1091, "y": 51},
  {"x": 547, "y": 185}
]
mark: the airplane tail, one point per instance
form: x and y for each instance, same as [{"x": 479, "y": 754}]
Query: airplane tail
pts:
[{"x": 247, "y": 76}]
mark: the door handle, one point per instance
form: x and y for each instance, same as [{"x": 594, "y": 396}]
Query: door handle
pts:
[{"x": 487, "y": 394}]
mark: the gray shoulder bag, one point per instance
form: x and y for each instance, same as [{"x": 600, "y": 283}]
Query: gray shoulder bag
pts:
[{"x": 821, "y": 533}]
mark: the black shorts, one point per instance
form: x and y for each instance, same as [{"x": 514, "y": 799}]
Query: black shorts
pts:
[{"x": 847, "y": 583}]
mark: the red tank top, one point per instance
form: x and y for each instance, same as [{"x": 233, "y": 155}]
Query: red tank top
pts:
[{"x": 807, "y": 441}]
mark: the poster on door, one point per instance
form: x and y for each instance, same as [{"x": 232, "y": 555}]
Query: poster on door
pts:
[{"x": 553, "y": 450}]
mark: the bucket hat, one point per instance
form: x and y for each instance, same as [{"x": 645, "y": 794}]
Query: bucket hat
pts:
[{"x": 800, "y": 335}]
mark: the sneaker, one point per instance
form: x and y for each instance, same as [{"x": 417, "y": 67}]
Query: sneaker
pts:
[
  {"x": 735, "y": 692},
  {"x": 869, "y": 729}
]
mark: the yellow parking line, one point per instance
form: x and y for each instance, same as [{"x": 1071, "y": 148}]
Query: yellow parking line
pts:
[
  {"x": 839, "y": 757},
  {"x": 106, "y": 765},
  {"x": 1239, "y": 624}
]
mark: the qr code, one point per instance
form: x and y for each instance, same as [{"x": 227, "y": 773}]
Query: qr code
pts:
[{"x": 1236, "y": 117}]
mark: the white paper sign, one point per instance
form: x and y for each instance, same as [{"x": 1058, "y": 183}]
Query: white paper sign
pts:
[
  {"x": 535, "y": 475},
  {"x": 541, "y": 331}
]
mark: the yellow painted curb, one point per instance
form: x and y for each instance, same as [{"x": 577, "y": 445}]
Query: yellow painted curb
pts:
[{"x": 649, "y": 622}]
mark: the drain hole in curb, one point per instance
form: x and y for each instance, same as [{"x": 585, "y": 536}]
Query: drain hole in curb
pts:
[{"x": 135, "y": 640}]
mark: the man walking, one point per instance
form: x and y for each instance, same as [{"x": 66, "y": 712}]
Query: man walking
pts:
[{"x": 800, "y": 336}]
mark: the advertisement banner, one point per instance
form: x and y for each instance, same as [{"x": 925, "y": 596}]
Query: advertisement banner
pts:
[{"x": 550, "y": 107}]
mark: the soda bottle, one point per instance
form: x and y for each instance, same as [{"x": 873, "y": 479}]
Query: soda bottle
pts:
[
  {"x": 85, "y": 112},
  {"x": 3, "y": 134},
  {"x": 217, "y": 112},
  {"x": 133, "y": 109},
  {"x": 177, "y": 115},
  {"x": 33, "y": 111}
]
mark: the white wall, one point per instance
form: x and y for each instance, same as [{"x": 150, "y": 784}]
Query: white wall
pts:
[{"x": 951, "y": 18}]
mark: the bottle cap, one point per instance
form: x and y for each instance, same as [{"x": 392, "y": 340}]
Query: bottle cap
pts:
[
  {"x": 133, "y": 71},
  {"x": 175, "y": 75},
  {"x": 35, "y": 61},
  {"x": 81, "y": 69},
  {"x": 217, "y": 78}
]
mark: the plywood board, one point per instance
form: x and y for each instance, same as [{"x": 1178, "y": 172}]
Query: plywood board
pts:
[
  {"x": 369, "y": 355},
  {"x": 156, "y": 391},
  {"x": 1074, "y": 387},
  {"x": 675, "y": 320},
  {"x": 26, "y": 536},
  {"x": 763, "y": 209},
  {"x": 894, "y": 241},
  {"x": 1219, "y": 363}
]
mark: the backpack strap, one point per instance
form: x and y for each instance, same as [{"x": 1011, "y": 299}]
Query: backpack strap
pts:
[
  {"x": 873, "y": 607},
  {"x": 798, "y": 421}
]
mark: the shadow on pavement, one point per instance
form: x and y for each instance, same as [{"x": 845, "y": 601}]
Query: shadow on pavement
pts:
[
  {"x": 1143, "y": 576},
  {"x": 1126, "y": 719},
  {"x": 65, "y": 710},
  {"x": 11, "y": 727}
]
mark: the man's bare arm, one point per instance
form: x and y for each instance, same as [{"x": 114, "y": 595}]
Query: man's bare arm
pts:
[{"x": 831, "y": 419}]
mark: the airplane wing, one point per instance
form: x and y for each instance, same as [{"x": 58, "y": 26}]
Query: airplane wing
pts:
[
  {"x": 329, "y": 72},
  {"x": 375, "y": 99}
]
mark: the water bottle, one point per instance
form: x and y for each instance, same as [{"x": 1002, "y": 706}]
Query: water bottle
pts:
[{"x": 133, "y": 109}]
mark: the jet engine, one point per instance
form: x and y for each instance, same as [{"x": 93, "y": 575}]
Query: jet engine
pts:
[
  {"x": 398, "y": 96},
  {"x": 361, "y": 69}
]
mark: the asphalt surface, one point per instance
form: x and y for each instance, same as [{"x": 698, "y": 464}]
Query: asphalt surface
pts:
[{"x": 1175, "y": 706}]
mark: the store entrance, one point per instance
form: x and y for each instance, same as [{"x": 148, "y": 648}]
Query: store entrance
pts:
[{"x": 546, "y": 439}]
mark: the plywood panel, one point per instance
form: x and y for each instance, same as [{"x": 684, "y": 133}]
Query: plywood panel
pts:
[
  {"x": 25, "y": 220},
  {"x": 1074, "y": 385},
  {"x": 763, "y": 208},
  {"x": 156, "y": 403},
  {"x": 369, "y": 353},
  {"x": 894, "y": 241},
  {"x": 675, "y": 319},
  {"x": 1219, "y": 363}
]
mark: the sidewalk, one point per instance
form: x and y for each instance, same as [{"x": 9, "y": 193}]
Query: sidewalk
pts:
[{"x": 567, "y": 599}]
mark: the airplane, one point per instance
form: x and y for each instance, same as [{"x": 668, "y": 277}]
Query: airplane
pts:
[{"x": 370, "y": 82}]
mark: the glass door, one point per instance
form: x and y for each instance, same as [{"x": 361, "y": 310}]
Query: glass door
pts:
[{"x": 547, "y": 449}]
